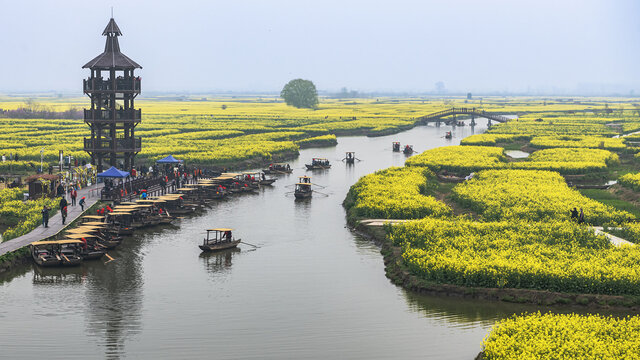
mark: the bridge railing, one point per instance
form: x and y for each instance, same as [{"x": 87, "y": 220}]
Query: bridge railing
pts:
[{"x": 472, "y": 111}]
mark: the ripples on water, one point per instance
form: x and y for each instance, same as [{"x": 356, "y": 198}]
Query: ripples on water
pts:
[{"x": 312, "y": 290}]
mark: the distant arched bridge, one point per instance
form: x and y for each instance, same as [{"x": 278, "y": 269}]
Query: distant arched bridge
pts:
[{"x": 436, "y": 116}]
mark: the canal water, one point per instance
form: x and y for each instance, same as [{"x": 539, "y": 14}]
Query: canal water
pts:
[{"x": 312, "y": 290}]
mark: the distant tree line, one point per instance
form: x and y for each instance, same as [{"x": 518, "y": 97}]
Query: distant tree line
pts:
[{"x": 32, "y": 110}]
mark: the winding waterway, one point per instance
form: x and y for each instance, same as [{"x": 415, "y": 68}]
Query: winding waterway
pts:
[{"x": 313, "y": 290}]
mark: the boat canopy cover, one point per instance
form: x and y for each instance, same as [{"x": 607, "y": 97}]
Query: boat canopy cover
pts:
[
  {"x": 186, "y": 189},
  {"x": 80, "y": 236},
  {"x": 94, "y": 223},
  {"x": 169, "y": 160},
  {"x": 306, "y": 184},
  {"x": 319, "y": 159},
  {"x": 68, "y": 241},
  {"x": 36, "y": 243},
  {"x": 112, "y": 172},
  {"x": 82, "y": 230},
  {"x": 93, "y": 217},
  {"x": 221, "y": 229},
  {"x": 304, "y": 177}
]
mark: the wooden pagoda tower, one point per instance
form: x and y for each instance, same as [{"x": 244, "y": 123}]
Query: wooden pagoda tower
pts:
[{"x": 112, "y": 117}]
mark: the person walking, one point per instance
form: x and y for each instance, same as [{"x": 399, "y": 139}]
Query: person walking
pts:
[
  {"x": 574, "y": 214},
  {"x": 74, "y": 195},
  {"x": 63, "y": 209},
  {"x": 45, "y": 216},
  {"x": 81, "y": 203},
  {"x": 581, "y": 217}
]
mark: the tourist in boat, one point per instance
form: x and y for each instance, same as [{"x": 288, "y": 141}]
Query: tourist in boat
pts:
[{"x": 63, "y": 209}]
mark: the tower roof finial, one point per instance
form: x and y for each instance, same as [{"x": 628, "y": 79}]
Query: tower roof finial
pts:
[{"x": 112, "y": 29}]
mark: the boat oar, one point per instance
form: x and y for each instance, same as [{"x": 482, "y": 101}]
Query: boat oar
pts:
[
  {"x": 316, "y": 191},
  {"x": 110, "y": 258},
  {"x": 255, "y": 246},
  {"x": 65, "y": 257}
]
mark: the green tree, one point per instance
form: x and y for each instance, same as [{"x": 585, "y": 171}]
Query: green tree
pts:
[{"x": 300, "y": 93}]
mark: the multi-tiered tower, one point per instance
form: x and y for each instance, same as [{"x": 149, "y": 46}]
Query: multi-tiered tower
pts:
[{"x": 112, "y": 117}]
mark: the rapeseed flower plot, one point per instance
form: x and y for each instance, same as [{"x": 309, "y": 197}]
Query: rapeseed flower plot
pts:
[
  {"x": 563, "y": 336},
  {"x": 460, "y": 159},
  {"x": 395, "y": 193},
  {"x": 532, "y": 195},
  {"x": 555, "y": 255},
  {"x": 632, "y": 181}
]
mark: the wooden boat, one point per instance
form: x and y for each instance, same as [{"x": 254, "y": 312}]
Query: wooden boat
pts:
[
  {"x": 278, "y": 168},
  {"x": 267, "y": 181},
  {"x": 70, "y": 252},
  {"x": 92, "y": 252},
  {"x": 219, "y": 239},
  {"x": 93, "y": 218},
  {"x": 350, "y": 157},
  {"x": 121, "y": 230},
  {"x": 44, "y": 253},
  {"x": 448, "y": 135},
  {"x": 318, "y": 164},
  {"x": 449, "y": 178},
  {"x": 303, "y": 190},
  {"x": 184, "y": 210},
  {"x": 408, "y": 149},
  {"x": 395, "y": 146}
]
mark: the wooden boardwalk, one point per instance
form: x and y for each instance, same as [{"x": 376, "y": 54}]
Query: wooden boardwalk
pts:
[
  {"x": 91, "y": 194},
  {"x": 617, "y": 241}
]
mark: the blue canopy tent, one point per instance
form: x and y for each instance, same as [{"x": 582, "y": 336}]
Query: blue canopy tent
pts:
[
  {"x": 169, "y": 160},
  {"x": 112, "y": 172}
]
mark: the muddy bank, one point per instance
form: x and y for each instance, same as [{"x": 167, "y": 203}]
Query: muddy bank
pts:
[
  {"x": 13, "y": 259},
  {"x": 398, "y": 273}
]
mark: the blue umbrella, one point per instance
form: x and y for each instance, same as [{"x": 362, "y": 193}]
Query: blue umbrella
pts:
[
  {"x": 113, "y": 173},
  {"x": 169, "y": 160}
]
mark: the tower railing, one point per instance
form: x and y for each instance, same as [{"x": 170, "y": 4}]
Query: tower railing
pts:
[
  {"x": 119, "y": 85},
  {"x": 111, "y": 115},
  {"x": 122, "y": 144}
]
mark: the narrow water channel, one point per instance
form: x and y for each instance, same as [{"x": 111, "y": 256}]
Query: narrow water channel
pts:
[{"x": 313, "y": 290}]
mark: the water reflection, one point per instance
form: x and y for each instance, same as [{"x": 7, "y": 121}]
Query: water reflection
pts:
[
  {"x": 219, "y": 261},
  {"x": 16, "y": 273},
  {"x": 58, "y": 276},
  {"x": 114, "y": 297}
]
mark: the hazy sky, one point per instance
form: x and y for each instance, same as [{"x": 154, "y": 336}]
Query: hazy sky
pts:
[{"x": 246, "y": 45}]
